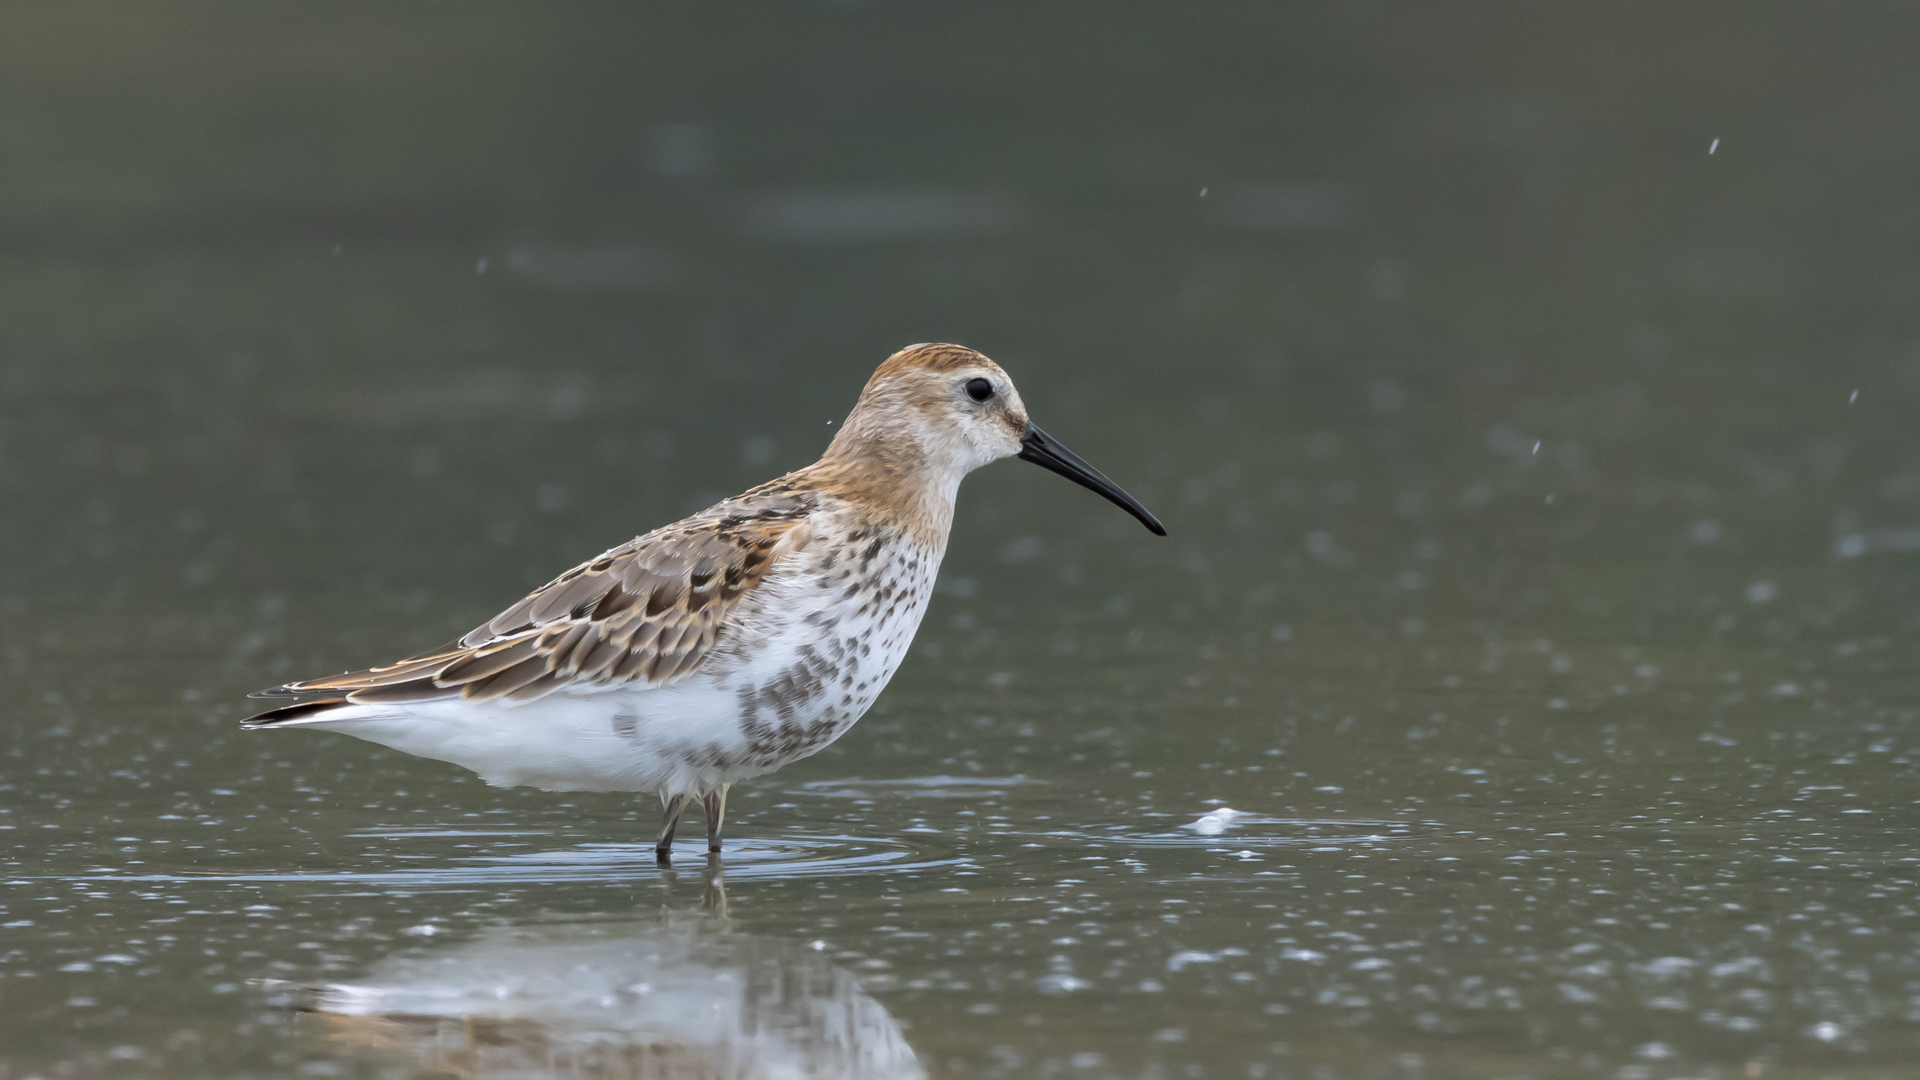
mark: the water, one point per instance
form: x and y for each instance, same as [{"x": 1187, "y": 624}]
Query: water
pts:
[{"x": 1540, "y": 591}]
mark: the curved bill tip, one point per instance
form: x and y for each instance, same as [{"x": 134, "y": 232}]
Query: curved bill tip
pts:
[{"x": 1045, "y": 451}]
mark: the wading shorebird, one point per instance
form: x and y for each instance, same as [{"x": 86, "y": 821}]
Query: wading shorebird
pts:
[{"x": 727, "y": 644}]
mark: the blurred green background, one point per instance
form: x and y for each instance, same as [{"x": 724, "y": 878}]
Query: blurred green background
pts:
[{"x": 374, "y": 300}]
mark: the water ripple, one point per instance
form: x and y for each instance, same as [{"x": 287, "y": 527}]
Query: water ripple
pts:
[
  {"x": 795, "y": 856},
  {"x": 1255, "y": 831}
]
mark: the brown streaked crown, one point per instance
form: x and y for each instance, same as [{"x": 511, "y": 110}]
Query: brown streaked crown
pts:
[{"x": 935, "y": 357}]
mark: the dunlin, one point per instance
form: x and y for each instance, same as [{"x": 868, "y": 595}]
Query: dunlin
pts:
[{"x": 724, "y": 645}]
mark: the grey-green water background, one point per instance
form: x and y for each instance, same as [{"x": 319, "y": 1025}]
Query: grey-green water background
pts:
[{"x": 1529, "y": 393}]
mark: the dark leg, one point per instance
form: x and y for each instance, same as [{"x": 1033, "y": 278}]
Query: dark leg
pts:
[
  {"x": 716, "y": 803},
  {"x": 671, "y": 807}
]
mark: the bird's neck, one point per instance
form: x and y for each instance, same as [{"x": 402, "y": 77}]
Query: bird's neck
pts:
[{"x": 895, "y": 480}]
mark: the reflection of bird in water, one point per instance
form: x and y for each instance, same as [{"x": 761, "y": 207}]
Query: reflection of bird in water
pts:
[
  {"x": 619, "y": 1002},
  {"x": 730, "y": 643}
]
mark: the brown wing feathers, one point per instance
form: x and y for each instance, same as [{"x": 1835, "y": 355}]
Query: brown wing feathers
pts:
[{"x": 647, "y": 612}]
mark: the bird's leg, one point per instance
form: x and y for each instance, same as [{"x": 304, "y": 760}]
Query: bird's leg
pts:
[
  {"x": 716, "y": 803},
  {"x": 671, "y": 807}
]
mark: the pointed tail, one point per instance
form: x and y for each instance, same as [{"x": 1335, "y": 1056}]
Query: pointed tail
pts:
[{"x": 305, "y": 712}]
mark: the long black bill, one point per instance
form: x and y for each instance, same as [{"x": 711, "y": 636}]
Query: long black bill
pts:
[{"x": 1043, "y": 450}]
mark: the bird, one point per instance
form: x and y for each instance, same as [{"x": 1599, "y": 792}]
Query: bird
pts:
[{"x": 727, "y": 644}]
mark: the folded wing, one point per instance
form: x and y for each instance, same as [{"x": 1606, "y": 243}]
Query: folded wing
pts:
[{"x": 647, "y": 612}]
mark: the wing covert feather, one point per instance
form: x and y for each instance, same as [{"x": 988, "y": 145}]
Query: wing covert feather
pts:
[{"x": 647, "y": 612}]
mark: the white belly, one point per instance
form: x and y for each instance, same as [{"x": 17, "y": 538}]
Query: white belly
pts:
[{"x": 805, "y": 662}]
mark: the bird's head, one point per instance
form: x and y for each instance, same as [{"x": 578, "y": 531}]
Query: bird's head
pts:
[{"x": 948, "y": 410}]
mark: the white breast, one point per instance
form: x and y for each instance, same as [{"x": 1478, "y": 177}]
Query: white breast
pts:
[{"x": 823, "y": 643}]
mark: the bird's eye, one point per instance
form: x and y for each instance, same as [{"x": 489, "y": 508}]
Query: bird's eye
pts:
[{"x": 979, "y": 389}]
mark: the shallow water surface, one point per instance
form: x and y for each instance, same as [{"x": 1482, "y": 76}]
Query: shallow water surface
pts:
[
  {"x": 1525, "y": 688},
  {"x": 1639, "y": 884}
]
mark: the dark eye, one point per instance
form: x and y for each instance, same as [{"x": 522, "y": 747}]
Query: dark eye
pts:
[{"x": 979, "y": 389}]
